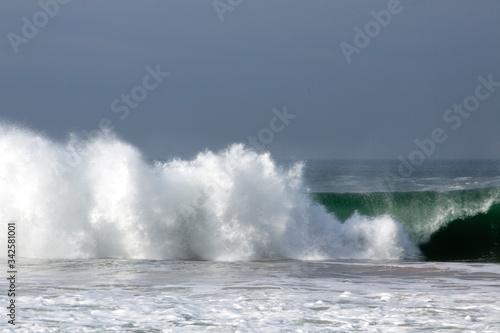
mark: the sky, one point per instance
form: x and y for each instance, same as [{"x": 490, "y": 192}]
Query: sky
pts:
[{"x": 302, "y": 79}]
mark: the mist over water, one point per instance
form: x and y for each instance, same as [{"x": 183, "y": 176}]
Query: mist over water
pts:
[{"x": 100, "y": 198}]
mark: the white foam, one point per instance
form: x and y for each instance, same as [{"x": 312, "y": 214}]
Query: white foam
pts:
[
  {"x": 194, "y": 296},
  {"x": 232, "y": 205}
]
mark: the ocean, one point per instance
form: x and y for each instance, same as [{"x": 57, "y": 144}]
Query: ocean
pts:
[{"x": 235, "y": 241}]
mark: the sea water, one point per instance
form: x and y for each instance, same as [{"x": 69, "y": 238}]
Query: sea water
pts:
[
  {"x": 97, "y": 295},
  {"x": 235, "y": 241}
]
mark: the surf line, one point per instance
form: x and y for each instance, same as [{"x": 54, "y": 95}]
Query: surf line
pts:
[{"x": 454, "y": 116}]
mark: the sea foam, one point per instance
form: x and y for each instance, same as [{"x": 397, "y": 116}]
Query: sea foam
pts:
[{"x": 100, "y": 198}]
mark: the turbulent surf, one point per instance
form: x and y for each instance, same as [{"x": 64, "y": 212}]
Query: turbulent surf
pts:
[
  {"x": 101, "y": 198},
  {"x": 451, "y": 225}
]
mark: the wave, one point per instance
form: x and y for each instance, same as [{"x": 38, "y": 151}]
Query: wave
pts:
[
  {"x": 451, "y": 225},
  {"x": 475, "y": 237},
  {"x": 100, "y": 198}
]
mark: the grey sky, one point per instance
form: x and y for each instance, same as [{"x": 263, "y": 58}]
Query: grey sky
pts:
[{"x": 225, "y": 77}]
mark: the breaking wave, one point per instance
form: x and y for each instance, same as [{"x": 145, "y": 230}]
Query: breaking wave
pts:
[{"x": 100, "y": 198}]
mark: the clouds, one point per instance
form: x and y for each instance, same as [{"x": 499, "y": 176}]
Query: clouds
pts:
[{"x": 227, "y": 76}]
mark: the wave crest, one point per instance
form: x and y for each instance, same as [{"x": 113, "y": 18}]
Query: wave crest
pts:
[{"x": 232, "y": 205}]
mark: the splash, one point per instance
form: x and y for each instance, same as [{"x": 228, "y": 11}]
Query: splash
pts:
[{"x": 235, "y": 204}]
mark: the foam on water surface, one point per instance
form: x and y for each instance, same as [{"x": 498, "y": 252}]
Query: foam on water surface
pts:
[{"x": 300, "y": 296}]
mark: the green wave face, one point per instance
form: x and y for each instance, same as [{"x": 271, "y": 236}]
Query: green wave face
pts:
[
  {"x": 473, "y": 238},
  {"x": 454, "y": 225}
]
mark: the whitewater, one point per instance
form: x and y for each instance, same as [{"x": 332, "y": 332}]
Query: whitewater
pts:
[
  {"x": 233, "y": 241},
  {"x": 232, "y": 205}
]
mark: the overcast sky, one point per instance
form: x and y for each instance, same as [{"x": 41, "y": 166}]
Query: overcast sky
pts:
[{"x": 230, "y": 65}]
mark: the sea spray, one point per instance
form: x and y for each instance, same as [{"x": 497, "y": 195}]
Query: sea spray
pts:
[{"x": 235, "y": 204}]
